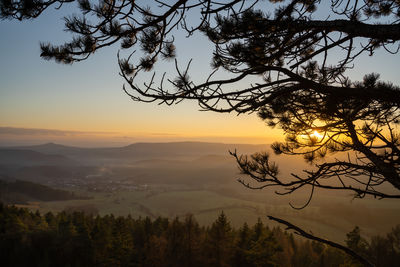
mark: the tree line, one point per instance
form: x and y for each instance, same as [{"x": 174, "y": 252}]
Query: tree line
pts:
[
  {"x": 76, "y": 239},
  {"x": 20, "y": 191}
]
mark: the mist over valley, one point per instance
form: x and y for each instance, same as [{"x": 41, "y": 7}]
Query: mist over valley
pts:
[{"x": 176, "y": 179}]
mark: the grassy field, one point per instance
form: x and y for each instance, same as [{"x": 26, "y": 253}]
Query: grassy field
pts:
[
  {"x": 178, "y": 179},
  {"x": 330, "y": 217}
]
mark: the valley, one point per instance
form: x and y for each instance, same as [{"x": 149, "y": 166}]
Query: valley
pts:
[{"x": 176, "y": 179}]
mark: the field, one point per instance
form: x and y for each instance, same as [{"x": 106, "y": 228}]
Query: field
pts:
[
  {"x": 330, "y": 217},
  {"x": 198, "y": 178}
]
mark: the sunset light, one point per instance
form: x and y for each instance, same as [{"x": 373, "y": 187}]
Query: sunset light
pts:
[
  {"x": 317, "y": 135},
  {"x": 199, "y": 133}
]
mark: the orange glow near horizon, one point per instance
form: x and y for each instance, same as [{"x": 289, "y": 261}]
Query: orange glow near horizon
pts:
[
  {"x": 25, "y": 136},
  {"x": 317, "y": 135},
  {"x": 139, "y": 123}
]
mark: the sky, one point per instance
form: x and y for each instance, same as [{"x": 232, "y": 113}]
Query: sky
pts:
[{"x": 84, "y": 104}]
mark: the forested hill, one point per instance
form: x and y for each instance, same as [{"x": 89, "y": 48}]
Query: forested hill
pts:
[
  {"x": 143, "y": 150},
  {"x": 25, "y": 157},
  {"x": 23, "y": 191},
  {"x": 76, "y": 239}
]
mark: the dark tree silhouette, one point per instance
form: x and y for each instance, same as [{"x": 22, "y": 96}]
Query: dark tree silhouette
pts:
[
  {"x": 298, "y": 59},
  {"x": 350, "y": 250},
  {"x": 296, "y": 52}
]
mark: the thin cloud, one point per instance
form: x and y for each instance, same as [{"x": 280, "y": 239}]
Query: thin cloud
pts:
[
  {"x": 46, "y": 132},
  {"x": 163, "y": 134}
]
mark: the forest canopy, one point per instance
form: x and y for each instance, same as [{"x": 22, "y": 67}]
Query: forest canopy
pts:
[
  {"x": 297, "y": 55},
  {"x": 76, "y": 239}
]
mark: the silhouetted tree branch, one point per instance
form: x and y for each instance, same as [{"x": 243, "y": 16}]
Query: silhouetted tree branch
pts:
[
  {"x": 297, "y": 58},
  {"x": 311, "y": 236},
  {"x": 301, "y": 87}
]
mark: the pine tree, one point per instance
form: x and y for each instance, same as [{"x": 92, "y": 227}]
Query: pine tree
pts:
[{"x": 219, "y": 242}]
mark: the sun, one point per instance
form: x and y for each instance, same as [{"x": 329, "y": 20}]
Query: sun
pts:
[{"x": 317, "y": 134}]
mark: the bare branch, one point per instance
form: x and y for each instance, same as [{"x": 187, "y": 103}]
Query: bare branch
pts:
[{"x": 310, "y": 236}]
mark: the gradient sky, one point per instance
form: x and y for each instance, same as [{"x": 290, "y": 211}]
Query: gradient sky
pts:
[{"x": 83, "y": 103}]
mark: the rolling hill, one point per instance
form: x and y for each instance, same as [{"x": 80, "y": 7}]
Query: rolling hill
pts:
[{"x": 24, "y": 157}]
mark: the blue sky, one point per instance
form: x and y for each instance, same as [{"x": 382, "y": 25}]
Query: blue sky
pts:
[{"x": 88, "y": 96}]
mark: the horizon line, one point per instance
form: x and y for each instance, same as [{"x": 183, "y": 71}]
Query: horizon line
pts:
[{"x": 135, "y": 143}]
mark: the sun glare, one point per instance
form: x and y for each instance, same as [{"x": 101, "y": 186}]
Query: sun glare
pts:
[{"x": 317, "y": 134}]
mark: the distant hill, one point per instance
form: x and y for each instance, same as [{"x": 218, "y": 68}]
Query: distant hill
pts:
[
  {"x": 173, "y": 154},
  {"x": 164, "y": 161},
  {"x": 190, "y": 148},
  {"x": 52, "y": 148},
  {"x": 23, "y": 157},
  {"x": 142, "y": 151},
  {"x": 19, "y": 192}
]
